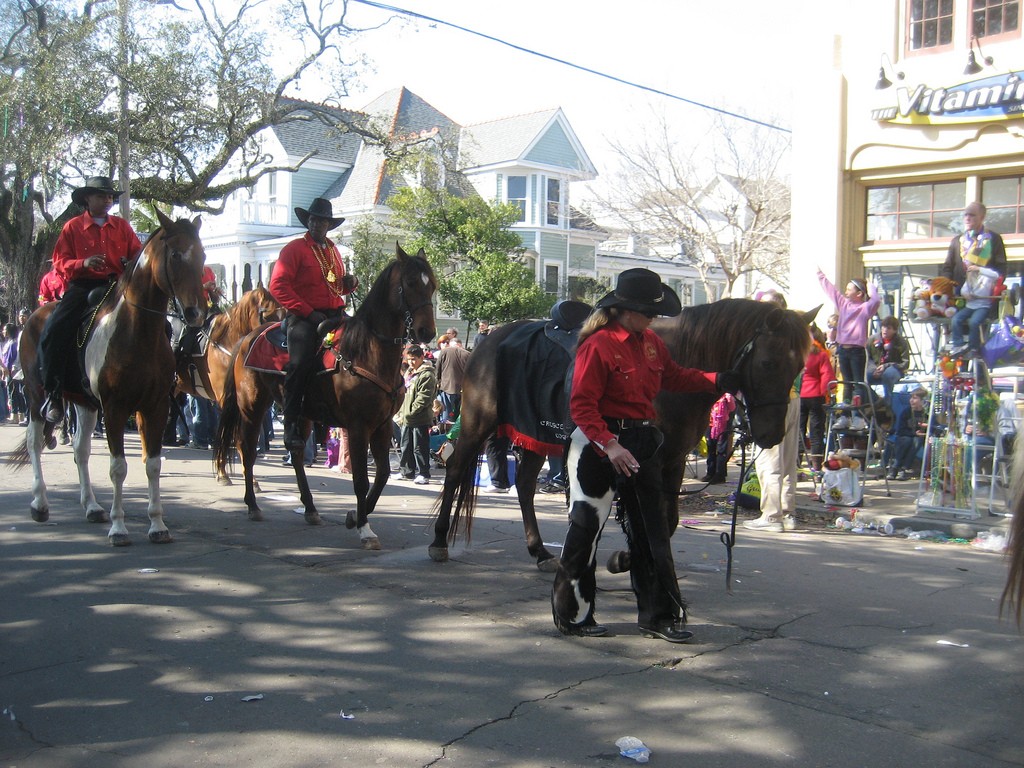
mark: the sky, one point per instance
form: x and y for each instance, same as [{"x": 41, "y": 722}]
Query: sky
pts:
[{"x": 733, "y": 54}]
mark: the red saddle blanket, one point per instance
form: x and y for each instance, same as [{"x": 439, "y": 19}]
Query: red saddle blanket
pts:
[{"x": 269, "y": 355}]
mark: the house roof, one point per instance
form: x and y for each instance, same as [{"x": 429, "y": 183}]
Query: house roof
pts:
[
  {"x": 522, "y": 138},
  {"x": 304, "y": 132}
]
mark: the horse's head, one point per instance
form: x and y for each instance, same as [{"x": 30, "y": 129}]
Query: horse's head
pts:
[
  {"x": 267, "y": 309},
  {"x": 174, "y": 258},
  {"x": 769, "y": 364},
  {"x": 412, "y": 293}
]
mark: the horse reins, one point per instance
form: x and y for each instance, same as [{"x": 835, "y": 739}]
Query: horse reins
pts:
[{"x": 351, "y": 367}]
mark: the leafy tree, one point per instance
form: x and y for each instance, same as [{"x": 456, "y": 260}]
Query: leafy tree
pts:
[
  {"x": 373, "y": 248},
  {"x": 182, "y": 92},
  {"x": 477, "y": 256}
]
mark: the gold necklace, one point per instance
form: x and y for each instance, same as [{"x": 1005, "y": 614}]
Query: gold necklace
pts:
[{"x": 325, "y": 258}]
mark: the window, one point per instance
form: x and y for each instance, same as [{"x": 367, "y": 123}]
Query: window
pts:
[
  {"x": 994, "y": 17},
  {"x": 272, "y": 187},
  {"x": 915, "y": 211},
  {"x": 930, "y": 24},
  {"x": 554, "y": 200},
  {"x": 551, "y": 278},
  {"x": 687, "y": 294},
  {"x": 515, "y": 193},
  {"x": 1002, "y": 198}
]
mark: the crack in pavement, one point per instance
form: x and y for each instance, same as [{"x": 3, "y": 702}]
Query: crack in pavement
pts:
[{"x": 514, "y": 711}]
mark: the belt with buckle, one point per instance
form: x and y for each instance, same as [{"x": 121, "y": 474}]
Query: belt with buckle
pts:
[{"x": 622, "y": 424}]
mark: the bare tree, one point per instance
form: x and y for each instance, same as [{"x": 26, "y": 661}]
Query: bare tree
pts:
[
  {"x": 723, "y": 205},
  {"x": 188, "y": 88}
]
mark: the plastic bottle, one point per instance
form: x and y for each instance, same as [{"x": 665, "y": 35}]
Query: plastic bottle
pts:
[{"x": 633, "y": 748}]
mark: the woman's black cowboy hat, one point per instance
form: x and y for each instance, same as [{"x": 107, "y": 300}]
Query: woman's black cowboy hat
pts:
[
  {"x": 320, "y": 208},
  {"x": 642, "y": 291},
  {"x": 99, "y": 184}
]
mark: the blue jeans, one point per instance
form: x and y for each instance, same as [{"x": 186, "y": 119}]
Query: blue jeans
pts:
[
  {"x": 906, "y": 452},
  {"x": 972, "y": 319},
  {"x": 851, "y": 364},
  {"x": 204, "y": 420},
  {"x": 890, "y": 376}
]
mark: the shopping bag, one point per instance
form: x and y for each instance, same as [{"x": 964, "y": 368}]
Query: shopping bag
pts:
[
  {"x": 841, "y": 487},
  {"x": 748, "y": 495},
  {"x": 1004, "y": 347}
]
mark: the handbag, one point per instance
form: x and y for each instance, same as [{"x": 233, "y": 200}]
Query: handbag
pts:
[
  {"x": 748, "y": 495},
  {"x": 1004, "y": 347}
]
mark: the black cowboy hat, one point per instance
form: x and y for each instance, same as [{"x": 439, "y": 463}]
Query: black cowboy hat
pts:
[
  {"x": 642, "y": 291},
  {"x": 99, "y": 184},
  {"x": 321, "y": 208}
]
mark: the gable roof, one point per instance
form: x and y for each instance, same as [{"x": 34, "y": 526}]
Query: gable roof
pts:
[
  {"x": 517, "y": 138},
  {"x": 307, "y": 133}
]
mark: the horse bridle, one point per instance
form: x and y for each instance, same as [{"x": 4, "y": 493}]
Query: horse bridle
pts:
[
  {"x": 408, "y": 318},
  {"x": 740, "y": 359},
  {"x": 175, "y": 302}
]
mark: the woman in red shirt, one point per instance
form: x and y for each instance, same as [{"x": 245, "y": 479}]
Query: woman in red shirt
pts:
[
  {"x": 620, "y": 366},
  {"x": 818, "y": 372}
]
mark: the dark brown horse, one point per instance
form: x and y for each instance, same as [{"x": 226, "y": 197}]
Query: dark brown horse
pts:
[
  {"x": 128, "y": 326},
  {"x": 204, "y": 375},
  {"x": 361, "y": 395},
  {"x": 766, "y": 344}
]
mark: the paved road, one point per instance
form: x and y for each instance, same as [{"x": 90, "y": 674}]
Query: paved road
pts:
[{"x": 833, "y": 650}]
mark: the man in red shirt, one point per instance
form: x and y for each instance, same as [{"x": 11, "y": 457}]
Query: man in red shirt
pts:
[
  {"x": 309, "y": 281},
  {"x": 93, "y": 249},
  {"x": 51, "y": 287}
]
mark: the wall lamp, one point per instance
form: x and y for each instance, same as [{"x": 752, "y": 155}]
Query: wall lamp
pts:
[
  {"x": 973, "y": 67},
  {"x": 883, "y": 81}
]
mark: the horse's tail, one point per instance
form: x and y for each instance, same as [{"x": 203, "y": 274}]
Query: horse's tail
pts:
[
  {"x": 19, "y": 458},
  {"x": 1013, "y": 594},
  {"x": 230, "y": 422},
  {"x": 462, "y": 467}
]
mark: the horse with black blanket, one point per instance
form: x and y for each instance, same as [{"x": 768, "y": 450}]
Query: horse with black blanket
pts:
[{"x": 766, "y": 344}]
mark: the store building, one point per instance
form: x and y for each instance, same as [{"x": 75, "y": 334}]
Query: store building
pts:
[{"x": 907, "y": 110}]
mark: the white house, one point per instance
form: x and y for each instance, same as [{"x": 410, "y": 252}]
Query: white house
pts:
[{"x": 530, "y": 160}]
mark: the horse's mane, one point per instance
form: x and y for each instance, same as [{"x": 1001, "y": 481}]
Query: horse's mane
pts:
[
  {"x": 373, "y": 309},
  {"x": 708, "y": 333},
  {"x": 238, "y": 315}
]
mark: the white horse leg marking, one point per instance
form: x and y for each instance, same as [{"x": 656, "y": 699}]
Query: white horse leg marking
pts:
[
  {"x": 156, "y": 510},
  {"x": 365, "y": 532},
  {"x": 602, "y": 506},
  {"x": 118, "y": 473},
  {"x": 34, "y": 444},
  {"x": 83, "y": 450}
]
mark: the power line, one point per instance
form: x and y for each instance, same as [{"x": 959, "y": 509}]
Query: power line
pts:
[{"x": 631, "y": 84}]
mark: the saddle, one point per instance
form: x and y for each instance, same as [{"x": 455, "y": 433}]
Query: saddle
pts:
[
  {"x": 269, "y": 351},
  {"x": 74, "y": 381}
]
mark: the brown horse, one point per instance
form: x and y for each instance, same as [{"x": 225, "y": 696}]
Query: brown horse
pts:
[
  {"x": 129, "y": 325},
  {"x": 204, "y": 375},
  {"x": 362, "y": 394},
  {"x": 767, "y": 345}
]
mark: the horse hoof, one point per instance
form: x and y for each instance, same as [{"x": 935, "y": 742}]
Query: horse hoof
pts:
[
  {"x": 350, "y": 519},
  {"x": 371, "y": 543},
  {"x": 313, "y": 518},
  {"x": 548, "y": 565},
  {"x": 160, "y": 537},
  {"x": 255, "y": 515},
  {"x": 97, "y": 516},
  {"x": 39, "y": 515},
  {"x": 120, "y": 539},
  {"x": 224, "y": 481},
  {"x": 618, "y": 562},
  {"x": 438, "y": 554}
]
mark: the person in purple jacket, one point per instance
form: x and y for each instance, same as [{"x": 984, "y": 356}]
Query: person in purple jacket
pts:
[{"x": 855, "y": 306}]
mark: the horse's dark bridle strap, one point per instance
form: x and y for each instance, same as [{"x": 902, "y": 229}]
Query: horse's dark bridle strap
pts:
[{"x": 348, "y": 365}]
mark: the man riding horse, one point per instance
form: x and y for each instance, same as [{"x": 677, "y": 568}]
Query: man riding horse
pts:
[
  {"x": 92, "y": 250},
  {"x": 309, "y": 281}
]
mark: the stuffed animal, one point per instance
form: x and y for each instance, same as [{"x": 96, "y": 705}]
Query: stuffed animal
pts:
[
  {"x": 841, "y": 460},
  {"x": 935, "y": 298}
]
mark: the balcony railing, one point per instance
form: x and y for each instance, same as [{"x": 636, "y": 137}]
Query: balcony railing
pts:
[{"x": 255, "y": 212}]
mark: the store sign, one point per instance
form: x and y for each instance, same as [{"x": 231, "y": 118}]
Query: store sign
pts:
[{"x": 999, "y": 97}]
